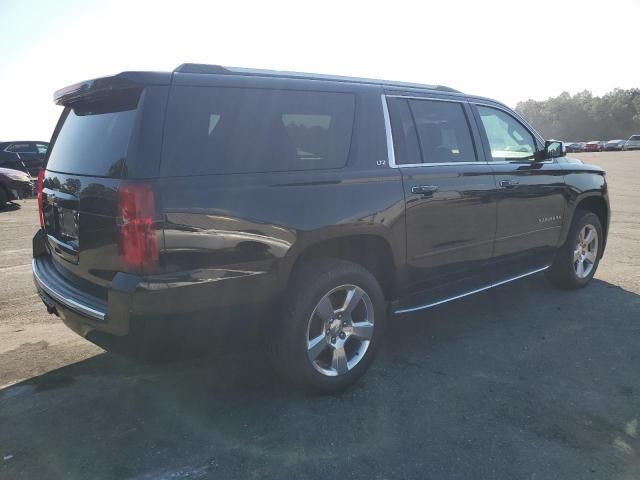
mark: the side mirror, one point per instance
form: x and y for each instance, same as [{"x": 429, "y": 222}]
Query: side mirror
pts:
[{"x": 552, "y": 149}]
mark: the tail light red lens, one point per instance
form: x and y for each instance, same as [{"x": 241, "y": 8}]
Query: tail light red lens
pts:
[
  {"x": 39, "y": 190},
  {"x": 137, "y": 233}
]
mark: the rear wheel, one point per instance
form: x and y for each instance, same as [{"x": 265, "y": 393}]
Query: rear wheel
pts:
[
  {"x": 333, "y": 319},
  {"x": 4, "y": 198},
  {"x": 576, "y": 262}
]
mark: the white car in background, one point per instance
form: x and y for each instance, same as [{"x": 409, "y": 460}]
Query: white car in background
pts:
[{"x": 633, "y": 143}]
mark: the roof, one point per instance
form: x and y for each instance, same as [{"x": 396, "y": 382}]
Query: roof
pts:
[{"x": 199, "y": 68}]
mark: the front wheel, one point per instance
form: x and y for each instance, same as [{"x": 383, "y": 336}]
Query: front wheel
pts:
[
  {"x": 577, "y": 260},
  {"x": 332, "y": 324}
]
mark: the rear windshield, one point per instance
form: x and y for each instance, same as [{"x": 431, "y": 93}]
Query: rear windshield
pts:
[
  {"x": 94, "y": 137},
  {"x": 239, "y": 130}
]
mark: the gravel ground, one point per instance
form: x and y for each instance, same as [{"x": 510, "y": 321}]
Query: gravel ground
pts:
[{"x": 522, "y": 381}]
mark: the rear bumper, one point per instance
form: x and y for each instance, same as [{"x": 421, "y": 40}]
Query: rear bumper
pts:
[{"x": 162, "y": 301}]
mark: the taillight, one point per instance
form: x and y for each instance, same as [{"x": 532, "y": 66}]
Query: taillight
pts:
[
  {"x": 39, "y": 190},
  {"x": 137, "y": 240}
]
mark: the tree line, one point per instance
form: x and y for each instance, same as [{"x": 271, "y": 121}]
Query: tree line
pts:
[{"x": 584, "y": 117}]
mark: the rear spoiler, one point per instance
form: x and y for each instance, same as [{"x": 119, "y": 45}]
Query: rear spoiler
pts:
[{"x": 105, "y": 86}]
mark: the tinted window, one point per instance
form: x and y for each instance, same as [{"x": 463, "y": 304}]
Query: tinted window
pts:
[
  {"x": 405, "y": 140},
  {"x": 94, "y": 138},
  {"x": 508, "y": 139},
  {"x": 443, "y": 131},
  {"x": 233, "y": 130},
  {"x": 22, "y": 148}
]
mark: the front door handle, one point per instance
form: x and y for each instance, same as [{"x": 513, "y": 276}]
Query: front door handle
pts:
[
  {"x": 509, "y": 183},
  {"x": 424, "y": 190}
]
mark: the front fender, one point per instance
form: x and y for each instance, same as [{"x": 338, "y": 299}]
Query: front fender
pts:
[{"x": 585, "y": 185}]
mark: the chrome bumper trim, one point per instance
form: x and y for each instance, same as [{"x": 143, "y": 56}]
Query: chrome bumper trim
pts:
[{"x": 66, "y": 301}]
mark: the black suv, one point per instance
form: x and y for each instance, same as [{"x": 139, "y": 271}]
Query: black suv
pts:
[
  {"x": 26, "y": 156},
  {"x": 323, "y": 206}
]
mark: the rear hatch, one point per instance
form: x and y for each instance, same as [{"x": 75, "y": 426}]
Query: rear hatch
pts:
[{"x": 103, "y": 156}]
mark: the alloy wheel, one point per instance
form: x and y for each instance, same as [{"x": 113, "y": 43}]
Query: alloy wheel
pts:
[
  {"x": 340, "y": 330},
  {"x": 585, "y": 251}
]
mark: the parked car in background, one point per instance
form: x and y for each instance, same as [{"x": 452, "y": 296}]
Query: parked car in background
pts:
[
  {"x": 27, "y": 156},
  {"x": 614, "y": 145},
  {"x": 14, "y": 185},
  {"x": 573, "y": 147},
  {"x": 180, "y": 210},
  {"x": 594, "y": 146},
  {"x": 633, "y": 143}
]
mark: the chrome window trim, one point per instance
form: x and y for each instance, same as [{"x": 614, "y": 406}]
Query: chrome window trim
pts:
[
  {"x": 446, "y": 300},
  {"x": 67, "y": 302},
  {"x": 524, "y": 162},
  {"x": 391, "y": 155},
  {"x": 436, "y": 99},
  {"x": 389, "y": 134}
]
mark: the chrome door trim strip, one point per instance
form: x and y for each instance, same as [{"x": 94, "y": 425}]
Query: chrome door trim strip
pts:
[
  {"x": 67, "y": 302},
  {"x": 429, "y": 305},
  {"x": 443, "y": 164}
]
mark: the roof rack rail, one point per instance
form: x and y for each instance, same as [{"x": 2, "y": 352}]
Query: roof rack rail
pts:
[
  {"x": 218, "y": 69},
  {"x": 201, "y": 68}
]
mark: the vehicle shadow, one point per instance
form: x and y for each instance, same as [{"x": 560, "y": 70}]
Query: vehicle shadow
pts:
[{"x": 457, "y": 390}]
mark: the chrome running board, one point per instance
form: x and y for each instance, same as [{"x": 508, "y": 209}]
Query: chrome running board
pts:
[{"x": 429, "y": 305}]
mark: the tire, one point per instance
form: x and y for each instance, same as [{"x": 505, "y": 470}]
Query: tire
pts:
[
  {"x": 4, "y": 198},
  {"x": 565, "y": 271},
  {"x": 347, "y": 334}
]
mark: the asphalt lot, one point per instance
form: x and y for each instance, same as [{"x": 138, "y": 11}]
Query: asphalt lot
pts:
[{"x": 522, "y": 381}]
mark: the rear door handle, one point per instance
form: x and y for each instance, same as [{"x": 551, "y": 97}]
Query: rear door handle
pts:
[
  {"x": 509, "y": 183},
  {"x": 424, "y": 190}
]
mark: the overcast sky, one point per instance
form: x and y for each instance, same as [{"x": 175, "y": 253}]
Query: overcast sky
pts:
[{"x": 507, "y": 50}]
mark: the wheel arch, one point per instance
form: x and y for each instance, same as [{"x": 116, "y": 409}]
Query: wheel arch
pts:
[
  {"x": 371, "y": 251},
  {"x": 597, "y": 204}
]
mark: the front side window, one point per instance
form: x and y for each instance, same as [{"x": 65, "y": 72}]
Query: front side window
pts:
[
  {"x": 242, "y": 130},
  {"x": 508, "y": 138},
  {"x": 443, "y": 131}
]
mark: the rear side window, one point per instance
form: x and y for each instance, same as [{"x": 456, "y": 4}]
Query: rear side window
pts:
[
  {"x": 443, "y": 131},
  {"x": 239, "y": 130},
  {"x": 94, "y": 137},
  {"x": 405, "y": 140}
]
